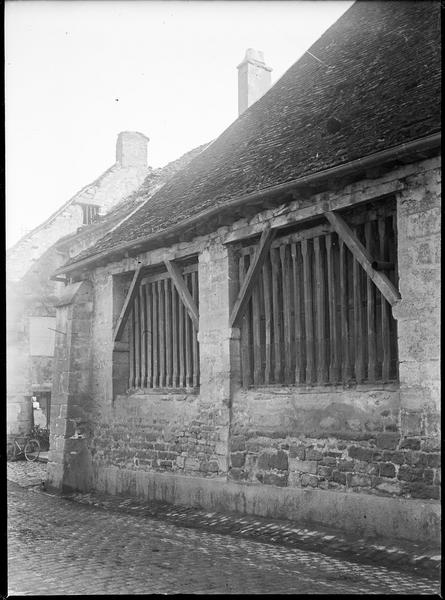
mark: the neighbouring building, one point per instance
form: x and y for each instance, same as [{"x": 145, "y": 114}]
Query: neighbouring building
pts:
[
  {"x": 77, "y": 225},
  {"x": 262, "y": 334}
]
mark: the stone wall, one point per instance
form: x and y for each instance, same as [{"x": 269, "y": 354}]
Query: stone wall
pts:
[
  {"x": 418, "y": 313},
  {"x": 72, "y": 408},
  {"x": 378, "y": 440},
  {"x": 371, "y": 442},
  {"x": 344, "y": 439},
  {"x": 162, "y": 431}
]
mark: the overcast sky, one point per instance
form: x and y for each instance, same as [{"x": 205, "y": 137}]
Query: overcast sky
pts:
[{"x": 79, "y": 72}]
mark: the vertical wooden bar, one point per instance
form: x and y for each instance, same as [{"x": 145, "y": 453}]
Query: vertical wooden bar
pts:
[
  {"x": 344, "y": 321},
  {"x": 334, "y": 346},
  {"x": 276, "y": 315},
  {"x": 155, "y": 326},
  {"x": 384, "y": 305},
  {"x": 137, "y": 341},
  {"x": 143, "y": 336},
  {"x": 149, "y": 327},
  {"x": 188, "y": 342},
  {"x": 267, "y": 320},
  {"x": 168, "y": 284},
  {"x": 299, "y": 375},
  {"x": 308, "y": 312},
  {"x": 195, "y": 297},
  {"x": 245, "y": 331},
  {"x": 131, "y": 346},
  {"x": 358, "y": 321},
  {"x": 256, "y": 330},
  {"x": 161, "y": 335},
  {"x": 370, "y": 310},
  {"x": 161, "y": 329},
  {"x": 175, "y": 333},
  {"x": 394, "y": 276},
  {"x": 181, "y": 314},
  {"x": 322, "y": 371},
  {"x": 287, "y": 331}
]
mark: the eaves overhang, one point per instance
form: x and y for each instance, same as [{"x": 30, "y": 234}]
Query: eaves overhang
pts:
[{"x": 314, "y": 183}]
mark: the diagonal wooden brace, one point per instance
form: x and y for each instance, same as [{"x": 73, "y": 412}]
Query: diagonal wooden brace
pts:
[
  {"x": 362, "y": 255},
  {"x": 183, "y": 292},
  {"x": 122, "y": 320},
  {"x": 255, "y": 267}
]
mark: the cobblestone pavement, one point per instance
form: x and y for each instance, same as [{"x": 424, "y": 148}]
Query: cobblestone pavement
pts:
[{"x": 61, "y": 547}]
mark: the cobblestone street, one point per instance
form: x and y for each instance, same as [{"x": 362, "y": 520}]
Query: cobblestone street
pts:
[{"x": 62, "y": 547}]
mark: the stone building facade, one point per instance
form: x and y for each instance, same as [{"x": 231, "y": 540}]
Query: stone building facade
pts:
[{"x": 271, "y": 346}]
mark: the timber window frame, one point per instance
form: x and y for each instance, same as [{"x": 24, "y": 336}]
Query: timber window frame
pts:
[
  {"x": 160, "y": 320},
  {"x": 338, "y": 273}
]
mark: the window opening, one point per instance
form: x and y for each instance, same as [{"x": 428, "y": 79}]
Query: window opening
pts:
[
  {"x": 315, "y": 317},
  {"x": 163, "y": 343},
  {"x": 90, "y": 213}
]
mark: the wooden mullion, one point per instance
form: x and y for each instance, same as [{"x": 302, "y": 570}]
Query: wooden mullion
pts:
[
  {"x": 276, "y": 315},
  {"x": 322, "y": 371},
  {"x": 384, "y": 306},
  {"x": 188, "y": 346},
  {"x": 394, "y": 276},
  {"x": 131, "y": 347},
  {"x": 344, "y": 313},
  {"x": 175, "y": 334},
  {"x": 149, "y": 341},
  {"x": 161, "y": 319},
  {"x": 155, "y": 329},
  {"x": 168, "y": 332},
  {"x": 142, "y": 308},
  {"x": 299, "y": 376},
  {"x": 256, "y": 331},
  {"x": 358, "y": 322},
  {"x": 267, "y": 320},
  {"x": 287, "y": 330},
  {"x": 194, "y": 276},
  {"x": 245, "y": 331},
  {"x": 334, "y": 358},
  {"x": 308, "y": 313},
  {"x": 137, "y": 341},
  {"x": 370, "y": 311},
  {"x": 181, "y": 315}
]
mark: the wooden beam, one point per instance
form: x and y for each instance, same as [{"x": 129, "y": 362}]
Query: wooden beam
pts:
[
  {"x": 360, "y": 253},
  {"x": 252, "y": 274},
  {"x": 183, "y": 292},
  {"x": 122, "y": 320}
]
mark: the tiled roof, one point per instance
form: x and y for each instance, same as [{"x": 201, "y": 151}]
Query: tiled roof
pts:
[{"x": 371, "y": 82}]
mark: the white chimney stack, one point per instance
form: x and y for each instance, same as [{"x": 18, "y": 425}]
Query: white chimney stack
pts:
[
  {"x": 131, "y": 149},
  {"x": 254, "y": 79}
]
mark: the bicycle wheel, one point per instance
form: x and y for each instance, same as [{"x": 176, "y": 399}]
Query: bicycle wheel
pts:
[
  {"x": 32, "y": 450},
  {"x": 10, "y": 451}
]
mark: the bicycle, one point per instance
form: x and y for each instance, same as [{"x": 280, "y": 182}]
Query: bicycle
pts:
[{"x": 24, "y": 445}]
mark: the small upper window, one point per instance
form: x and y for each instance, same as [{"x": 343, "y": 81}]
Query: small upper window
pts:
[{"x": 90, "y": 213}]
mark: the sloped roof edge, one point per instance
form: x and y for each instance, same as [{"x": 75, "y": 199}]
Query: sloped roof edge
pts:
[
  {"x": 419, "y": 145},
  {"x": 61, "y": 209}
]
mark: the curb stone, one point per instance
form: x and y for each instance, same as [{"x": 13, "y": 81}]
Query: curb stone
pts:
[{"x": 405, "y": 556}]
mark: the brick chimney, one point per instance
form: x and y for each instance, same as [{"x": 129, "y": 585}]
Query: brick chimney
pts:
[
  {"x": 131, "y": 149},
  {"x": 254, "y": 79}
]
